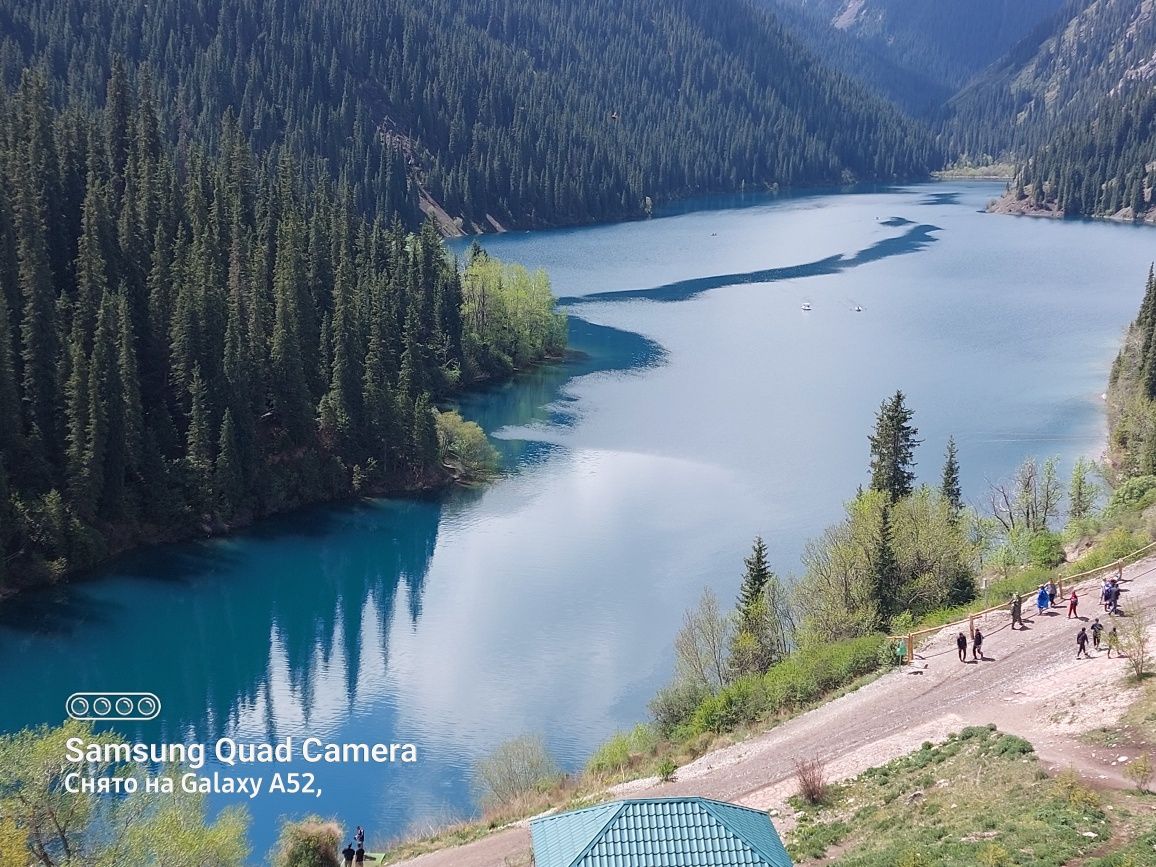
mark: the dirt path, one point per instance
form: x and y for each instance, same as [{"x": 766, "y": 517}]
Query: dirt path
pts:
[{"x": 1030, "y": 685}]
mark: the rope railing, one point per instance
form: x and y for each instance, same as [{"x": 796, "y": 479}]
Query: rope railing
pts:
[{"x": 1072, "y": 581}]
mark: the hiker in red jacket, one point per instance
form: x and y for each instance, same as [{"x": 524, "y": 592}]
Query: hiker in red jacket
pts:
[{"x": 1072, "y": 601}]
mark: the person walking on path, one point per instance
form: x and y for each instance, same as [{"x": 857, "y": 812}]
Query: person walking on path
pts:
[
  {"x": 347, "y": 853},
  {"x": 359, "y": 855},
  {"x": 1097, "y": 627},
  {"x": 1113, "y": 642},
  {"x": 1017, "y": 611},
  {"x": 359, "y": 837},
  {"x": 1051, "y": 588},
  {"x": 1043, "y": 600},
  {"x": 1082, "y": 643},
  {"x": 977, "y": 646},
  {"x": 961, "y": 646},
  {"x": 1073, "y": 600}
]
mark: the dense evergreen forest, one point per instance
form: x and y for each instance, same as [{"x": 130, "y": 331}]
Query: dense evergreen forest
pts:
[
  {"x": 530, "y": 112},
  {"x": 189, "y": 340},
  {"x": 1102, "y": 167},
  {"x": 1132, "y": 395},
  {"x": 1057, "y": 76}
]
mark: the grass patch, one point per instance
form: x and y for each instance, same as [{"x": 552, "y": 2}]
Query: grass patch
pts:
[{"x": 978, "y": 798}]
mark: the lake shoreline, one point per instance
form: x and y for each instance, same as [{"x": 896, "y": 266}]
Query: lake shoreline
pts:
[{"x": 432, "y": 484}]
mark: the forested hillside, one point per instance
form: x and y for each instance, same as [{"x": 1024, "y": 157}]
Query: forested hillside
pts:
[
  {"x": 519, "y": 112},
  {"x": 191, "y": 340},
  {"x": 1105, "y": 166},
  {"x": 916, "y": 52},
  {"x": 1060, "y": 76},
  {"x": 1132, "y": 395}
]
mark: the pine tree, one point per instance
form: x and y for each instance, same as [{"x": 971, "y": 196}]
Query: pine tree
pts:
[
  {"x": 950, "y": 488},
  {"x": 893, "y": 449}
]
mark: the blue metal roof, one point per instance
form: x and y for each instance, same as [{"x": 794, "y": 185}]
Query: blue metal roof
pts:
[{"x": 658, "y": 832}]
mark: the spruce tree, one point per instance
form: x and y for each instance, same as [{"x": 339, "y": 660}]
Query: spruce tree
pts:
[
  {"x": 885, "y": 574},
  {"x": 950, "y": 488},
  {"x": 755, "y": 578},
  {"x": 425, "y": 436},
  {"x": 228, "y": 477},
  {"x": 893, "y": 449},
  {"x": 199, "y": 446},
  {"x": 288, "y": 388}
]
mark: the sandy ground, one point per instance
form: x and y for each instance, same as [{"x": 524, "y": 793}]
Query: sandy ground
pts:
[{"x": 1030, "y": 684}]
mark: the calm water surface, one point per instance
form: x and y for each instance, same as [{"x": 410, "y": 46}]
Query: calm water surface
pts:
[{"x": 705, "y": 407}]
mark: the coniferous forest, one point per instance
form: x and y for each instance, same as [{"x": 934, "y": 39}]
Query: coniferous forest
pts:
[
  {"x": 189, "y": 340},
  {"x": 1101, "y": 167},
  {"x": 519, "y": 112}
]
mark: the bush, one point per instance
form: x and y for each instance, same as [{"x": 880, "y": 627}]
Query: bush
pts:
[
  {"x": 615, "y": 756},
  {"x": 674, "y": 705},
  {"x": 1140, "y": 772},
  {"x": 811, "y": 775},
  {"x": 667, "y": 769},
  {"x": 1119, "y": 543},
  {"x": 1011, "y": 746},
  {"x": 312, "y": 842},
  {"x": 1046, "y": 549},
  {"x": 799, "y": 680},
  {"x": 515, "y": 768},
  {"x": 1134, "y": 495}
]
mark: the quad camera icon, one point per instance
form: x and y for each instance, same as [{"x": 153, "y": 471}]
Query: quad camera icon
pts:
[{"x": 113, "y": 706}]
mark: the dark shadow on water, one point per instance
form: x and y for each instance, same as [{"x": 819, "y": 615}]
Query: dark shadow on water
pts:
[
  {"x": 951, "y": 198},
  {"x": 897, "y": 221},
  {"x": 914, "y": 239}
]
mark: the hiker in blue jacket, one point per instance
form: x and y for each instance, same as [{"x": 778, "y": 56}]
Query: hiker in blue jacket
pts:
[{"x": 1043, "y": 600}]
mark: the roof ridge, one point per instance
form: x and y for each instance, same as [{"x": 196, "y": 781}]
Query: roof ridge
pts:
[
  {"x": 709, "y": 805},
  {"x": 594, "y": 838}
]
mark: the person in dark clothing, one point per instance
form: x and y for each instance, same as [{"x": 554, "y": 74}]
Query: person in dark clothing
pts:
[
  {"x": 1017, "y": 611},
  {"x": 1097, "y": 627},
  {"x": 359, "y": 855},
  {"x": 359, "y": 837},
  {"x": 1073, "y": 601},
  {"x": 1082, "y": 643},
  {"x": 347, "y": 853},
  {"x": 961, "y": 646},
  {"x": 977, "y": 645}
]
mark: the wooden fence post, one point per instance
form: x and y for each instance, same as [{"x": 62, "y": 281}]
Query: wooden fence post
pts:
[
  {"x": 971, "y": 625},
  {"x": 910, "y": 648}
]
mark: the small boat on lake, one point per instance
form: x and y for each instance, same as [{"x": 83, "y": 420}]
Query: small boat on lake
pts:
[{"x": 806, "y": 305}]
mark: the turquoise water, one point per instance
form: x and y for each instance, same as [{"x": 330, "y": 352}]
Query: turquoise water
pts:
[{"x": 703, "y": 406}]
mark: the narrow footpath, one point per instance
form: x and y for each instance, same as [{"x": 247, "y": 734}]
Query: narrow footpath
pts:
[{"x": 1030, "y": 684}]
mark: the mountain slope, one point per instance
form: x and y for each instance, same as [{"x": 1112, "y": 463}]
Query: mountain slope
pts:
[
  {"x": 523, "y": 112},
  {"x": 1091, "y": 51},
  {"x": 939, "y": 45},
  {"x": 1103, "y": 167}
]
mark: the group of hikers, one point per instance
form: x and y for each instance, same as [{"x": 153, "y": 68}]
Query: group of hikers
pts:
[
  {"x": 351, "y": 855},
  {"x": 1045, "y": 600}
]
